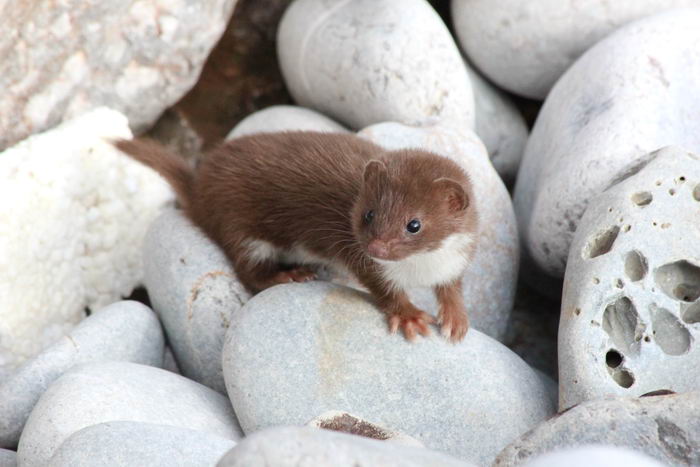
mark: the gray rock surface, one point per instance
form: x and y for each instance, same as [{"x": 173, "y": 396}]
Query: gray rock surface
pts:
[
  {"x": 632, "y": 93},
  {"x": 337, "y": 420},
  {"x": 63, "y": 59},
  {"x": 128, "y": 444},
  {"x": 285, "y": 117},
  {"x": 119, "y": 391},
  {"x": 125, "y": 330},
  {"x": 667, "y": 428},
  {"x": 489, "y": 282},
  {"x": 499, "y": 125},
  {"x": 630, "y": 313},
  {"x": 525, "y": 47},
  {"x": 593, "y": 456},
  {"x": 8, "y": 458},
  {"x": 194, "y": 290},
  {"x": 368, "y": 61},
  {"x": 297, "y": 446},
  {"x": 297, "y": 350}
]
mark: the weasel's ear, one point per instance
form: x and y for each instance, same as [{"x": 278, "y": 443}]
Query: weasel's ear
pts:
[
  {"x": 375, "y": 172},
  {"x": 454, "y": 193}
]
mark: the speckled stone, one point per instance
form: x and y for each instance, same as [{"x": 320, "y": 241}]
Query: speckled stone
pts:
[
  {"x": 489, "y": 282},
  {"x": 194, "y": 290},
  {"x": 128, "y": 444},
  {"x": 630, "y": 94},
  {"x": 297, "y": 350},
  {"x": 368, "y": 61},
  {"x": 119, "y": 391},
  {"x": 630, "y": 313},
  {"x": 337, "y": 420},
  {"x": 127, "y": 331},
  {"x": 295, "y": 446},
  {"x": 285, "y": 118},
  {"x": 666, "y": 428}
]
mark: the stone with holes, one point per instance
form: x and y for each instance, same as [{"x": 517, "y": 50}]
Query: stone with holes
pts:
[
  {"x": 194, "y": 290},
  {"x": 126, "y": 330},
  {"x": 297, "y": 350},
  {"x": 666, "y": 428},
  {"x": 630, "y": 313},
  {"x": 285, "y": 118},
  {"x": 110, "y": 391},
  {"x": 630, "y": 94},
  {"x": 295, "y": 446}
]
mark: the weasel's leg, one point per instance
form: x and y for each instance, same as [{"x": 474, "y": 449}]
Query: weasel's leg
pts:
[{"x": 452, "y": 316}]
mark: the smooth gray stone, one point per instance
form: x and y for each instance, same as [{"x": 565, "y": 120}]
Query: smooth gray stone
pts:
[
  {"x": 593, "y": 456},
  {"x": 119, "y": 391},
  {"x": 128, "y": 444},
  {"x": 630, "y": 94},
  {"x": 298, "y": 350},
  {"x": 666, "y": 428},
  {"x": 631, "y": 303},
  {"x": 194, "y": 290},
  {"x": 8, "y": 458},
  {"x": 125, "y": 330},
  {"x": 297, "y": 446},
  {"x": 285, "y": 118}
]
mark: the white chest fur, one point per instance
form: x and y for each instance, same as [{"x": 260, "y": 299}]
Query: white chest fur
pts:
[{"x": 431, "y": 268}]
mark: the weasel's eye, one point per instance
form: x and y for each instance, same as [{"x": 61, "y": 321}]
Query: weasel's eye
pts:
[
  {"x": 369, "y": 215},
  {"x": 413, "y": 226}
]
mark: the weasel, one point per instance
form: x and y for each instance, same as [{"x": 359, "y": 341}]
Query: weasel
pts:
[{"x": 394, "y": 219}]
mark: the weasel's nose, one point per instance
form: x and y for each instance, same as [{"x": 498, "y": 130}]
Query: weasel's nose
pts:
[{"x": 378, "y": 249}]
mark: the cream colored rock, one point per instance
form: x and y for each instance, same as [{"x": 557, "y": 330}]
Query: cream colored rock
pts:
[
  {"x": 630, "y": 314},
  {"x": 285, "y": 118},
  {"x": 368, "y": 61},
  {"x": 632, "y": 93},
  {"x": 525, "y": 47}
]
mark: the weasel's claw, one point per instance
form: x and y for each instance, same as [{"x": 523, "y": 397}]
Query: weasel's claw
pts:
[{"x": 411, "y": 325}]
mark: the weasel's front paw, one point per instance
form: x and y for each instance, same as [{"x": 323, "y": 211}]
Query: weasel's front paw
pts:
[
  {"x": 411, "y": 322},
  {"x": 454, "y": 323},
  {"x": 294, "y": 275}
]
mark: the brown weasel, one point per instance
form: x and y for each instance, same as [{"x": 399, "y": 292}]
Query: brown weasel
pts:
[{"x": 395, "y": 219}]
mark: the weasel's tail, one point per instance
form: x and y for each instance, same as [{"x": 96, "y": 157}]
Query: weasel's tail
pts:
[{"x": 168, "y": 164}]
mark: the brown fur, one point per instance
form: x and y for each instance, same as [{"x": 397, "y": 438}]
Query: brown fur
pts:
[{"x": 312, "y": 190}]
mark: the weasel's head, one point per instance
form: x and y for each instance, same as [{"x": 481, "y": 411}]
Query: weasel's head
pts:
[{"x": 410, "y": 201}]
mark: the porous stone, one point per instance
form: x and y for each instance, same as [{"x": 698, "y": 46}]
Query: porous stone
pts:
[
  {"x": 593, "y": 456},
  {"x": 285, "y": 118},
  {"x": 630, "y": 94},
  {"x": 368, "y": 61},
  {"x": 337, "y": 420},
  {"x": 194, "y": 290},
  {"x": 121, "y": 391},
  {"x": 489, "y": 282},
  {"x": 127, "y": 444},
  {"x": 297, "y": 350},
  {"x": 63, "y": 59},
  {"x": 8, "y": 458},
  {"x": 666, "y": 428},
  {"x": 499, "y": 125},
  {"x": 73, "y": 214},
  {"x": 630, "y": 314},
  {"x": 525, "y": 47},
  {"x": 294, "y": 446},
  {"x": 126, "y": 331}
]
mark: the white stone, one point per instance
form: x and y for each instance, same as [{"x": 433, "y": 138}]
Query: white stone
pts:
[
  {"x": 598, "y": 455},
  {"x": 630, "y": 94},
  {"x": 499, "y": 125},
  {"x": 129, "y": 444},
  {"x": 297, "y": 350},
  {"x": 368, "y": 61},
  {"x": 120, "y": 391},
  {"x": 525, "y": 47},
  {"x": 285, "y": 118},
  {"x": 337, "y": 420},
  {"x": 137, "y": 56},
  {"x": 194, "y": 290},
  {"x": 630, "y": 314},
  {"x": 297, "y": 446},
  {"x": 8, "y": 458},
  {"x": 73, "y": 214},
  {"x": 127, "y": 331},
  {"x": 490, "y": 279}
]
